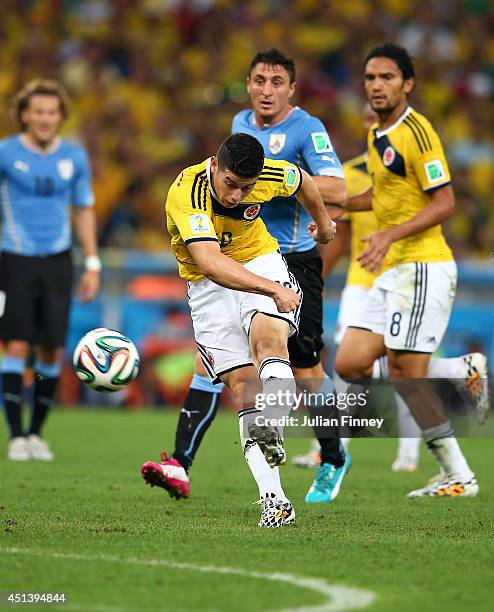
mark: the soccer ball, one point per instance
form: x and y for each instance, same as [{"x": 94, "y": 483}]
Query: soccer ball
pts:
[{"x": 106, "y": 360}]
